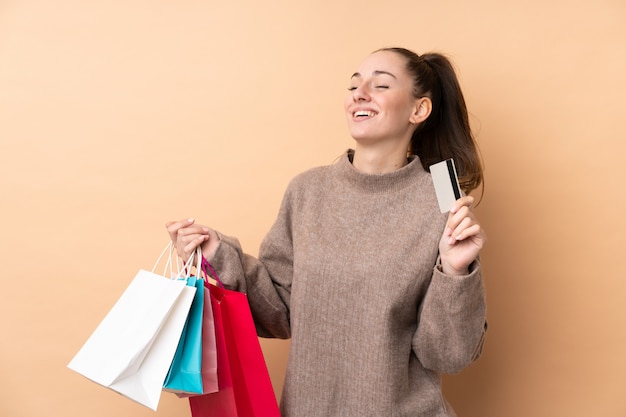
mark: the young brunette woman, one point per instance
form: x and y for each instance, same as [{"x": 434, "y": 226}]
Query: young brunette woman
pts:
[{"x": 379, "y": 292}]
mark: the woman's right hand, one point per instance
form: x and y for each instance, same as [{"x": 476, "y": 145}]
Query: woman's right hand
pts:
[{"x": 186, "y": 236}]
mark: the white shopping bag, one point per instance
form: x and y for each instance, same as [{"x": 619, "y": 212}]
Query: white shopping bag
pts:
[{"x": 132, "y": 348}]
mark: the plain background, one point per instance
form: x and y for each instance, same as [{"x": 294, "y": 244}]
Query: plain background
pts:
[{"x": 118, "y": 116}]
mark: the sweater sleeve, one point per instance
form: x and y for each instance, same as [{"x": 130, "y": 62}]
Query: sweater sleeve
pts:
[
  {"x": 452, "y": 321},
  {"x": 266, "y": 280}
]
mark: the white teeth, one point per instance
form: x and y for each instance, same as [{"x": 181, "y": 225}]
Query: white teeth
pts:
[{"x": 361, "y": 113}]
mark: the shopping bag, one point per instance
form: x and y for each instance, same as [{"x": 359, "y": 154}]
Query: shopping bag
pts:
[
  {"x": 132, "y": 349},
  {"x": 209, "y": 350},
  {"x": 185, "y": 373},
  {"x": 245, "y": 388}
]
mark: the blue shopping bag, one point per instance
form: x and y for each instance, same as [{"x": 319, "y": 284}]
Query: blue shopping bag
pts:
[{"x": 185, "y": 374}]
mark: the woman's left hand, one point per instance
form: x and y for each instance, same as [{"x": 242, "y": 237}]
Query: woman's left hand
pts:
[{"x": 462, "y": 239}]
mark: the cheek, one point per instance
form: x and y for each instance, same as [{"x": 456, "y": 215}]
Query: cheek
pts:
[
  {"x": 403, "y": 109},
  {"x": 347, "y": 102}
]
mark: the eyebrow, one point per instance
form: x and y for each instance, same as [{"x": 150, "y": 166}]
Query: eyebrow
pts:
[{"x": 356, "y": 74}]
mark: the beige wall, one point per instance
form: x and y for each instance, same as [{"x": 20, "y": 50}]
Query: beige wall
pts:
[{"x": 118, "y": 116}]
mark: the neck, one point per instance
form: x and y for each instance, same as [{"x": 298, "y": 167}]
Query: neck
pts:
[{"x": 379, "y": 159}]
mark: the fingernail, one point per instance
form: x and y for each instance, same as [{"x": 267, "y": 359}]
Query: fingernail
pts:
[
  {"x": 190, "y": 219},
  {"x": 448, "y": 231}
]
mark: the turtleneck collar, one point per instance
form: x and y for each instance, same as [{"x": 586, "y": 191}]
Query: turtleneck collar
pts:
[{"x": 379, "y": 183}]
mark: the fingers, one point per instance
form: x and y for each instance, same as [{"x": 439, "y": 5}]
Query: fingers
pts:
[
  {"x": 175, "y": 226},
  {"x": 462, "y": 240},
  {"x": 187, "y": 236},
  {"x": 190, "y": 247},
  {"x": 465, "y": 201},
  {"x": 462, "y": 223}
]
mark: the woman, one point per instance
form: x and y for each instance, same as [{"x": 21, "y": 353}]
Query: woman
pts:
[{"x": 379, "y": 292}]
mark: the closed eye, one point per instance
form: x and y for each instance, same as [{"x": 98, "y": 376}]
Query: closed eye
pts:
[{"x": 377, "y": 86}]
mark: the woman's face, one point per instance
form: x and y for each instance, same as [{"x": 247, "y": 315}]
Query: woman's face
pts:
[{"x": 381, "y": 105}]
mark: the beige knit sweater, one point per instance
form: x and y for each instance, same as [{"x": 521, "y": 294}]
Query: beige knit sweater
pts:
[{"x": 349, "y": 272}]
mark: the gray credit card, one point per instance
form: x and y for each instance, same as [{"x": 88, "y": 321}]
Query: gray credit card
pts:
[{"x": 446, "y": 184}]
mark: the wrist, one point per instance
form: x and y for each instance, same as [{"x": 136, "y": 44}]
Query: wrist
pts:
[
  {"x": 454, "y": 272},
  {"x": 450, "y": 270}
]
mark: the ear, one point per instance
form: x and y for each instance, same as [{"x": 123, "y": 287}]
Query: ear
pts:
[{"x": 423, "y": 107}]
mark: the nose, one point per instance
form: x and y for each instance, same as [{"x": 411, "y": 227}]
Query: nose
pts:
[{"x": 361, "y": 93}]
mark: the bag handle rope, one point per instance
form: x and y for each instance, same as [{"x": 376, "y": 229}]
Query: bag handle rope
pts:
[
  {"x": 185, "y": 271},
  {"x": 206, "y": 265}
]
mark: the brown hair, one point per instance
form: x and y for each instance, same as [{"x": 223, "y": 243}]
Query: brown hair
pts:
[{"x": 446, "y": 133}]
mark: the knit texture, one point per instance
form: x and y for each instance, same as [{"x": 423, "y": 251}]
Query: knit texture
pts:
[{"x": 349, "y": 272}]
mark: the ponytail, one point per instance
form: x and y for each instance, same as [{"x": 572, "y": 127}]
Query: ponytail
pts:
[{"x": 446, "y": 133}]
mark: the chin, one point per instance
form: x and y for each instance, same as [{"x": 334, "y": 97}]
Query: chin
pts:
[
  {"x": 360, "y": 134},
  {"x": 364, "y": 137}
]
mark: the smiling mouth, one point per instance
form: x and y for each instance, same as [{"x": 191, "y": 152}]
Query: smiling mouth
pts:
[{"x": 364, "y": 113}]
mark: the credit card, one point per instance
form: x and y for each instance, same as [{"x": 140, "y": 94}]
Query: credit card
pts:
[{"x": 446, "y": 184}]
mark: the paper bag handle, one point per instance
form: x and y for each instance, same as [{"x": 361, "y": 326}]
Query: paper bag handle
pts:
[
  {"x": 206, "y": 265},
  {"x": 168, "y": 247},
  {"x": 169, "y": 263},
  {"x": 198, "y": 255}
]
